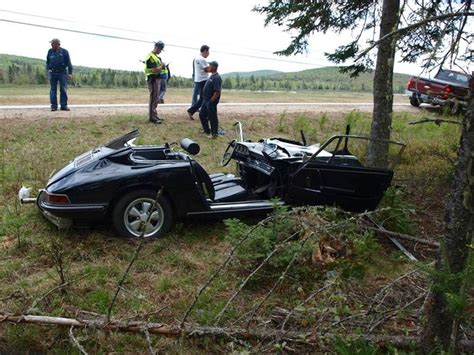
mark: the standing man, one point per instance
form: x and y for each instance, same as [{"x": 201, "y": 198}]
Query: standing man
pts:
[
  {"x": 153, "y": 68},
  {"x": 200, "y": 74},
  {"x": 59, "y": 68},
  {"x": 165, "y": 76},
  {"x": 211, "y": 96}
]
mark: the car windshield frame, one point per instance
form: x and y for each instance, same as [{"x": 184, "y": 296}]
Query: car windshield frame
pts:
[{"x": 123, "y": 141}]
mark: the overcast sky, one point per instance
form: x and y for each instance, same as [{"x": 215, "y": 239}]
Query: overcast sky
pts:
[{"x": 234, "y": 32}]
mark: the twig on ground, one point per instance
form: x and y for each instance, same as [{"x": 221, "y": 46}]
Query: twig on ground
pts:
[
  {"x": 146, "y": 315},
  {"x": 392, "y": 312},
  {"x": 309, "y": 298},
  {"x": 403, "y": 236},
  {"x": 75, "y": 342},
  {"x": 242, "y": 285},
  {"x": 386, "y": 287},
  {"x": 280, "y": 279},
  {"x": 43, "y": 296},
  {"x": 220, "y": 268},
  {"x": 134, "y": 257},
  {"x": 437, "y": 121},
  {"x": 148, "y": 339}
]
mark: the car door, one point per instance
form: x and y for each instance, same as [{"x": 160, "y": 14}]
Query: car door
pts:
[{"x": 338, "y": 181}]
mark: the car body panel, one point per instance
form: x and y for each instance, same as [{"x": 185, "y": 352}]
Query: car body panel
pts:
[{"x": 88, "y": 188}]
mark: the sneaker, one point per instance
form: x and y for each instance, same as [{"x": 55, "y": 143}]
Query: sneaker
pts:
[
  {"x": 221, "y": 132},
  {"x": 161, "y": 101},
  {"x": 210, "y": 135},
  {"x": 54, "y": 109},
  {"x": 65, "y": 109},
  {"x": 190, "y": 116}
]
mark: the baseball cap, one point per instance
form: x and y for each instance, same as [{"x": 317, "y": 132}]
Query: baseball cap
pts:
[{"x": 160, "y": 44}]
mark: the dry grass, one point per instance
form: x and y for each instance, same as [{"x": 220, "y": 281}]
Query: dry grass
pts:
[{"x": 38, "y": 95}]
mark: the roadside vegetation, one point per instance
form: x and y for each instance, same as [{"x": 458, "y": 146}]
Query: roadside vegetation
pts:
[
  {"x": 310, "y": 271},
  {"x": 38, "y": 95},
  {"x": 15, "y": 70}
]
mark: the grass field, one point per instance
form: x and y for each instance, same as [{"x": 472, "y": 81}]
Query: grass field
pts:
[
  {"x": 37, "y": 95},
  {"x": 75, "y": 273}
]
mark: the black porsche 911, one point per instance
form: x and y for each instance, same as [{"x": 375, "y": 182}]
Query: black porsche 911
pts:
[{"x": 143, "y": 190}]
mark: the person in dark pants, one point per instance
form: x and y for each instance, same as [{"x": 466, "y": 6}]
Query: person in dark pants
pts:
[
  {"x": 200, "y": 74},
  {"x": 59, "y": 68},
  {"x": 153, "y": 68},
  {"x": 165, "y": 76},
  {"x": 211, "y": 96}
]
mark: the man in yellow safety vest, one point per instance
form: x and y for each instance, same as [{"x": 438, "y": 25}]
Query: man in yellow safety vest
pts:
[{"x": 153, "y": 68}]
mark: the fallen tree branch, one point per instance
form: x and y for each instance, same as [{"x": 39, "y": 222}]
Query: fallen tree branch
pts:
[
  {"x": 304, "y": 338},
  {"x": 404, "y": 236},
  {"x": 437, "y": 121}
]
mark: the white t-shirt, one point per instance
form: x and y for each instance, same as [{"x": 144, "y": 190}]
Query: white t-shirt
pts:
[{"x": 199, "y": 65}]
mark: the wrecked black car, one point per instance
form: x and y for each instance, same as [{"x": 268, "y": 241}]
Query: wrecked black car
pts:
[{"x": 143, "y": 190}]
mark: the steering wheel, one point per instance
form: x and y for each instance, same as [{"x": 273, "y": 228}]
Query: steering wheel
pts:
[
  {"x": 275, "y": 147},
  {"x": 284, "y": 150},
  {"x": 228, "y": 154}
]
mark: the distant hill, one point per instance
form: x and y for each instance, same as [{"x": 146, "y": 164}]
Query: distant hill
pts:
[
  {"x": 250, "y": 73},
  {"x": 327, "y": 78},
  {"x": 18, "y": 70}
]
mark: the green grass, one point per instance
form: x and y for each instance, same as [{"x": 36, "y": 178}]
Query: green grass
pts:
[
  {"x": 39, "y": 95},
  {"x": 169, "y": 271}
]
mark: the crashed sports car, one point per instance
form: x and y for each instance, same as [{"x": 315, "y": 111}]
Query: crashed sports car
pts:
[{"x": 143, "y": 190}]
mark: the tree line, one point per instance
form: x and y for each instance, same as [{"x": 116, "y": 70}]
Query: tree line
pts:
[
  {"x": 27, "y": 71},
  {"x": 16, "y": 70}
]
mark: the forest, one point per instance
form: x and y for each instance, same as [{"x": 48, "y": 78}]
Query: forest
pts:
[{"x": 18, "y": 70}]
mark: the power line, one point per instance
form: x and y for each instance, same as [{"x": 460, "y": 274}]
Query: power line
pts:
[
  {"x": 101, "y": 26},
  {"x": 142, "y": 41},
  {"x": 71, "y": 21}
]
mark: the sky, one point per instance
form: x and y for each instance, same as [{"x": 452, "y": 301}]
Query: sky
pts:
[{"x": 238, "y": 39}]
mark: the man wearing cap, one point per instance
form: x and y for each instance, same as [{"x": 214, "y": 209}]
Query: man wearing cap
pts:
[
  {"x": 153, "y": 68},
  {"x": 211, "y": 96},
  {"x": 59, "y": 67}
]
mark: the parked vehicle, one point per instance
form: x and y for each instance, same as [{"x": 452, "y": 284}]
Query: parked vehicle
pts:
[
  {"x": 448, "y": 87},
  {"x": 119, "y": 182}
]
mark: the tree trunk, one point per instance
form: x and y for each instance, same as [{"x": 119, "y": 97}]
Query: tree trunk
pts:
[
  {"x": 459, "y": 231},
  {"x": 377, "y": 155}
]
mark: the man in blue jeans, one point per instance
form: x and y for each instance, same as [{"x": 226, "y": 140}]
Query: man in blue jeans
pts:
[
  {"x": 59, "y": 67},
  {"x": 211, "y": 96},
  {"x": 200, "y": 74}
]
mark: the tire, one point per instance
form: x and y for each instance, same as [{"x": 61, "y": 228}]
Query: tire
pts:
[
  {"x": 131, "y": 212},
  {"x": 414, "y": 100}
]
